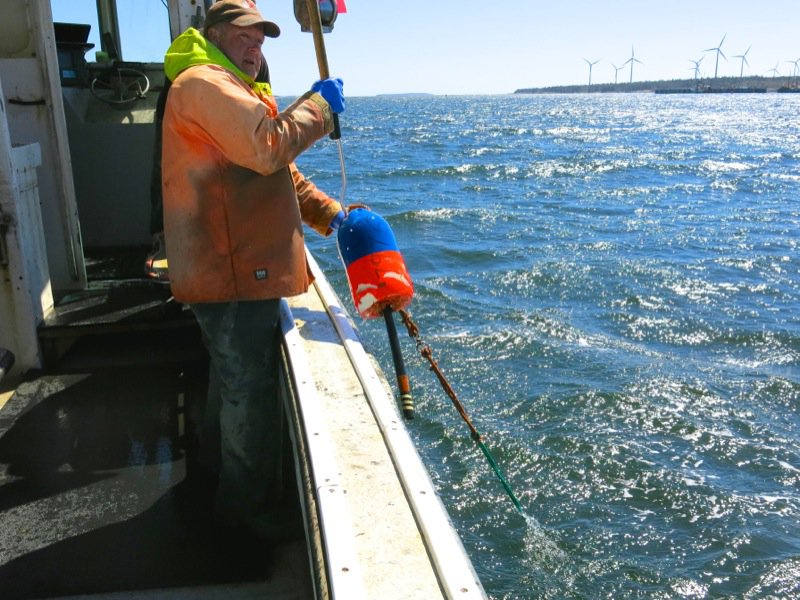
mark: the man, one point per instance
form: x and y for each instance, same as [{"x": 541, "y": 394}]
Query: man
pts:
[
  {"x": 233, "y": 205},
  {"x": 155, "y": 266}
]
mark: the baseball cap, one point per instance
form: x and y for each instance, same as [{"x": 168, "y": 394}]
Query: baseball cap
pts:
[{"x": 241, "y": 13}]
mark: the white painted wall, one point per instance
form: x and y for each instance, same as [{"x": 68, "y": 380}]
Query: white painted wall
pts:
[{"x": 34, "y": 111}]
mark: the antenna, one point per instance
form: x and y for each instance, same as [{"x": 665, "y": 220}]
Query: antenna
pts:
[
  {"x": 591, "y": 64},
  {"x": 632, "y": 60},
  {"x": 719, "y": 51},
  {"x": 744, "y": 61}
]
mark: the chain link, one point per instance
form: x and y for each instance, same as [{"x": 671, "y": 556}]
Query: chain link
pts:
[{"x": 426, "y": 352}]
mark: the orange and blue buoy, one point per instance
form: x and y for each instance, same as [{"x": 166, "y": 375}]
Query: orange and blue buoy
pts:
[
  {"x": 375, "y": 268},
  {"x": 379, "y": 281}
]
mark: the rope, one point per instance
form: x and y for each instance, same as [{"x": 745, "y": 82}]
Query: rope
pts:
[
  {"x": 344, "y": 172},
  {"x": 426, "y": 353}
]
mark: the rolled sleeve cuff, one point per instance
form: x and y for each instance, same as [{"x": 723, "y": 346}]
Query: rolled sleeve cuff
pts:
[{"x": 324, "y": 107}]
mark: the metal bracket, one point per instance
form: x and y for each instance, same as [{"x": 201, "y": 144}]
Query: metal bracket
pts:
[{"x": 327, "y": 15}]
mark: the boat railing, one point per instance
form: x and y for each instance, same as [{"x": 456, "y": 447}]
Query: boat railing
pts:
[{"x": 456, "y": 575}]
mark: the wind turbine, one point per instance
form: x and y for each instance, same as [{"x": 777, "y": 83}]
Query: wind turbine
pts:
[
  {"x": 616, "y": 71},
  {"x": 719, "y": 51},
  {"x": 744, "y": 61},
  {"x": 591, "y": 64},
  {"x": 774, "y": 71},
  {"x": 696, "y": 66},
  {"x": 632, "y": 60},
  {"x": 796, "y": 68}
]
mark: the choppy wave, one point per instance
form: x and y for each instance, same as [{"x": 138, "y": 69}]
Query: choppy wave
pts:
[{"x": 612, "y": 285}]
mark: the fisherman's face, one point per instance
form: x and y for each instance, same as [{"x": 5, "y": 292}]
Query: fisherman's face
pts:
[{"x": 242, "y": 45}]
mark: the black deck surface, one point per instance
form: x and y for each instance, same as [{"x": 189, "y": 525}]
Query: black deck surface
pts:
[{"x": 94, "y": 493}]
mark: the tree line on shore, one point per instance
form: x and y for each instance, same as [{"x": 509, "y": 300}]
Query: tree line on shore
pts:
[{"x": 719, "y": 83}]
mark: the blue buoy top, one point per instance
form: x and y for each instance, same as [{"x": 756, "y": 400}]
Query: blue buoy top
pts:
[{"x": 362, "y": 233}]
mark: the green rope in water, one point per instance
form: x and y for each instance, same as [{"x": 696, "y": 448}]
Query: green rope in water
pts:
[{"x": 500, "y": 476}]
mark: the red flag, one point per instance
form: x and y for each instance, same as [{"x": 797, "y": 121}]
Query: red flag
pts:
[{"x": 340, "y": 7}]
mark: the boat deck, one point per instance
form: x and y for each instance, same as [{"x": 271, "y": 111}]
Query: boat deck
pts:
[{"x": 94, "y": 457}]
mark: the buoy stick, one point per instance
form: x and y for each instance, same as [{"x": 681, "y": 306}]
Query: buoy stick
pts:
[
  {"x": 406, "y": 400},
  {"x": 315, "y": 21}
]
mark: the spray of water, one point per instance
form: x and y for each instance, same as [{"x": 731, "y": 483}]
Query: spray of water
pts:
[{"x": 546, "y": 564}]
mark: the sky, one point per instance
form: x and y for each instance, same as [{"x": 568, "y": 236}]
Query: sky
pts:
[{"x": 498, "y": 46}]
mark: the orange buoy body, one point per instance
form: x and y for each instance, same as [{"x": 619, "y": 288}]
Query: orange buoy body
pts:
[{"x": 376, "y": 270}]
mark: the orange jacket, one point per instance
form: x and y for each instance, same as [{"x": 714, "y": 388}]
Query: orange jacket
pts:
[{"x": 233, "y": 199}]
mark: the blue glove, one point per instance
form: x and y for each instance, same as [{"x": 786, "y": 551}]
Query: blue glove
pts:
[
  {"x": 337, "y": 220},
  {"x": 331, "y": 90}
]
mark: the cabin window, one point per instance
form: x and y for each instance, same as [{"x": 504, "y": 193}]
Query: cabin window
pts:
[{"x": 143, "y": 26}]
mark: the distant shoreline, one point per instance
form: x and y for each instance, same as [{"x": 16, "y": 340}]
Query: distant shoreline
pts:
[
  {"x": 688, "y": 86},
  {"x": 403, "y": 95}
]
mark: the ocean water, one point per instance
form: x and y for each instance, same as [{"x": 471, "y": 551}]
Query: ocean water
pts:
[{"x": 611, "y": 284}]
